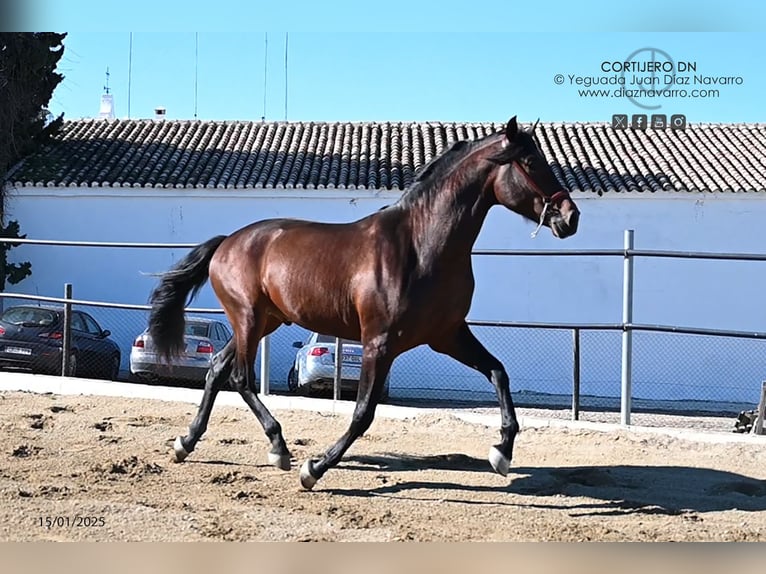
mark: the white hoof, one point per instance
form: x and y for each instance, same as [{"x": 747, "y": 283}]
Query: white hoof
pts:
[
  {"x": 179, "y": 449},
  {"x": 499, "y": 462},
  {"x": 281, "y": 461},
  {"x": 307, "y": 480}
]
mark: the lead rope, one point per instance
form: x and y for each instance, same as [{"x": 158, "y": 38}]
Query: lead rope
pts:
[{"x": 542, "y": 219}]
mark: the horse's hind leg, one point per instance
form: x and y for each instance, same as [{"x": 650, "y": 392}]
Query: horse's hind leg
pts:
[
  {"x": 243, "y": 380},
  {"x": 219, "y": 371},
  {"x": 463, "y": 346}
]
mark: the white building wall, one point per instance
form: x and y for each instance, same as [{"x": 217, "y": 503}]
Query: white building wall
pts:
[{"x": 716, "y": 294}]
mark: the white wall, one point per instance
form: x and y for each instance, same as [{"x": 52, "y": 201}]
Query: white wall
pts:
[{"x": 715, "y": 294}]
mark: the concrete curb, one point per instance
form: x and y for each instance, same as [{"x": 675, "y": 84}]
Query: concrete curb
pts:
[{"x": 72, "y": 386}]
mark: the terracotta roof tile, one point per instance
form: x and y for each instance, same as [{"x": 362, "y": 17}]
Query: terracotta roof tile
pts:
[{"x": 586, "y": 157}]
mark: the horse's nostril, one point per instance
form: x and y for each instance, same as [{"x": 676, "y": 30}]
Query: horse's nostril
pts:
[{"x": 573, "y": 220}]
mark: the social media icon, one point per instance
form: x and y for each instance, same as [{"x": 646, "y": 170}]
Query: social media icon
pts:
[
  {"x": 639, "y": 121},
  {"x": 659, "y": 121},
  {"x": 678, "y": 121},
  {"x": 619, "y": 121}
]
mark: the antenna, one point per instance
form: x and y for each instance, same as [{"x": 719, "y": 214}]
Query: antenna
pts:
[
  {"x": 265, "y": 69},
  {"x": 286, "y": 76},
  {"x": 130, "y": 69},
  {"x": 196, "y": 61},
  {"x": 106, "y": 110}
]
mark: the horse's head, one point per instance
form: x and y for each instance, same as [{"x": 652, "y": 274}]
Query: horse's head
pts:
[{"x": 525, "y": 183}]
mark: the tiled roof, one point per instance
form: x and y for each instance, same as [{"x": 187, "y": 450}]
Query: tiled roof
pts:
[{"x": 586, "y": 157}]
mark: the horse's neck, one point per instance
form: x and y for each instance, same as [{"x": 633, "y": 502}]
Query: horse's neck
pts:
[
  {"x": 446, "y": 221},
  {"x": 449, "y": 221}
]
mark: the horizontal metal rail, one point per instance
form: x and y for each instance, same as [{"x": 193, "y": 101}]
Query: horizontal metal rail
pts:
[
  {"x": 117, "y": 244},
  {"x": 474, "y": 323},
  {"x": 695, "y": 331},
  {"x": 623, "y": 327},
  {"x": 652, "y": 253},
  {"x": 85, "y": 303},
  {"x": 557, "y": 326},
  {"x": 655, "y": 253},
  {"x": 695, "y": 255},
  {"x": 552, "y": 252}
]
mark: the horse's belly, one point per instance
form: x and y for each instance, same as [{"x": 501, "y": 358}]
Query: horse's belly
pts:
[{"x": 316, "y": 297}]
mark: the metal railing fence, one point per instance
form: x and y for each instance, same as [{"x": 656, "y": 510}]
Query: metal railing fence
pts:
[{"x": 627, "y": 327}]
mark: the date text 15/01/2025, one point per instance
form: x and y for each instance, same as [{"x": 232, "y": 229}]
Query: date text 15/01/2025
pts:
[{"x": 76, "y": 521}]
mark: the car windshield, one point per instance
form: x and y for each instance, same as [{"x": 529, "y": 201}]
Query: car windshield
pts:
[
  {"x": 196, "y": 329},
  {"x": 29, "y": 316}
]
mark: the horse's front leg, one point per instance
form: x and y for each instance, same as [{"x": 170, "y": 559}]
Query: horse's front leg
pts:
[
  {"x": 463, "y": 346},
  {"x": 376, "y": 362}
]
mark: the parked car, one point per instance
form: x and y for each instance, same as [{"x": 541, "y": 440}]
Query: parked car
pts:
[
  {"x": 204, "y": 337},
  {"x": 314, "y": 367},
  {"x": 31, "y": 339}
]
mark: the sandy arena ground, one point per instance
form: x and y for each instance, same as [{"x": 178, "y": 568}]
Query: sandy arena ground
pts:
[{"x": 99, "y": 469}]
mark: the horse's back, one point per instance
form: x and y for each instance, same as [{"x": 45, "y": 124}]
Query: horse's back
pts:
[{"x": 299, "y": 239}]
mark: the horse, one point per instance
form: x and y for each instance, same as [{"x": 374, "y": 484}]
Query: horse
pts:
[{"x": 394, "y": 280}]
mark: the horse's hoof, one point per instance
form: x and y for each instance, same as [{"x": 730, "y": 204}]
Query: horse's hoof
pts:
[
  {"x": 307, "y": 479},
  {"x": 499, "y": 461},
  {"x": 281, "y": 461},
  {"x": 179, "y": 449}
]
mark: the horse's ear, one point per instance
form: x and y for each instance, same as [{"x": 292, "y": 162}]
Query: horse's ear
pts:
[{"x": 511, "y": 129}]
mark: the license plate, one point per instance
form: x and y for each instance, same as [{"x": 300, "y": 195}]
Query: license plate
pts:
[
  {"x": 18, "y": 350},
  {"x": 356, "y": 359}
]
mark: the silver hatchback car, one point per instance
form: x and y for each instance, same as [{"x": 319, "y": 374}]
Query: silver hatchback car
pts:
[
  {"x": 203, "y": 337},
  {"x": 314, "y": 367}
]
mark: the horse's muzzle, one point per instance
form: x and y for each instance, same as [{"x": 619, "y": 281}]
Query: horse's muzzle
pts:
[{"x": 564, "y": 225}]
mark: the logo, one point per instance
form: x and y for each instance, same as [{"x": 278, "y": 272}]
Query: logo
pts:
[
  {"x": 678, "y": 121},
  {"x": 659, "y": 121},
  {"x": 638, "y": 122},
  {"x": 659, "y": 59},
  {"x": 620, "y": 121}
]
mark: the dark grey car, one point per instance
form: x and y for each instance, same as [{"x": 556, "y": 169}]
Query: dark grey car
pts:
[{"x": 31, "y": 339}]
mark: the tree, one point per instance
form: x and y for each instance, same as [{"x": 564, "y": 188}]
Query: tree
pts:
[
  {"x": 28, "y": 78},
  {"x": 12, "y": 272}
]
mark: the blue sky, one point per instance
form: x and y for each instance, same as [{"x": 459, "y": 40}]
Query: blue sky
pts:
[{"x": 402, "y": 61}]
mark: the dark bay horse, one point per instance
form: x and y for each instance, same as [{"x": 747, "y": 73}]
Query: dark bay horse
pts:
[{"x": 394, "y": 280}]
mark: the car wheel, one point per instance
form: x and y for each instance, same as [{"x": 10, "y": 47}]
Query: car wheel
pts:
[
  {"x": 304, "y": 390},
  {"x": 292, "y": 380},
  {"x": 114, "y": 369},
  {"x": 72, "y": 365}
]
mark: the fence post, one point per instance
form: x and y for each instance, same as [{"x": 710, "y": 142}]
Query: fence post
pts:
[
  {"x": 338, "y": 365},
  {"x": 627, "y": 332},
  {"x": 758, "y": 426},
  {"x": 66, "y": 343},
  {"x": 265, "y": 364},
  {"x": 575, "y": 374}
]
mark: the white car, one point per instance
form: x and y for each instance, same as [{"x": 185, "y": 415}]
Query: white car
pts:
[
  {"x": 314, "y": 367},
  {"x": 203, "y": 338}
]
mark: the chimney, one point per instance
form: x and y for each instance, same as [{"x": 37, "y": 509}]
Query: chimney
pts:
[
  {"x": 107, "y": 107},
  {"x": 159, "y": 113}
]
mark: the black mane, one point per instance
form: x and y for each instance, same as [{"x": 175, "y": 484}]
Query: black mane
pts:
[{"x": 439, "y": 167}]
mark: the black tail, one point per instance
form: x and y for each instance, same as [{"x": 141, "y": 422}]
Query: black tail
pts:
[{"x": 181, "y": 283}]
